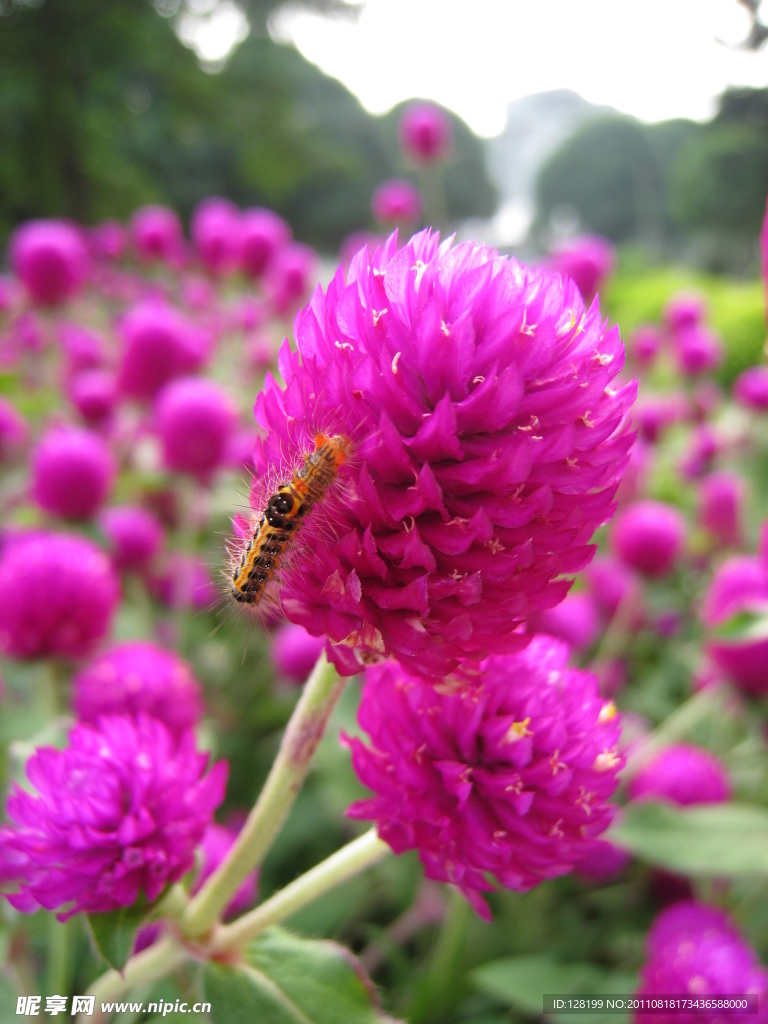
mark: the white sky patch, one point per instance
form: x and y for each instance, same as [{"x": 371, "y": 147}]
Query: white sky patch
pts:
[
  {"x": 654, "y": 59},
  {"x": 213, "y": 30}
]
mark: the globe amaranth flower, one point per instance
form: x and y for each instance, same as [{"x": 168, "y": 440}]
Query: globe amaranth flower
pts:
[
  {"x": 263, "y": 233},
  {"x": 194, "y": 420},
  {"x": 396, "y": 202},
  {"x": 57, "y": 595},
  {"x": 134, "y": 533},
  {"x": 575, "y": 620},
  {"x": 507, "y": 778},
  {"x": 750, "y": 388},
  {"x": 683, "y": 775},
  {"x": 73, "y": 471},
  {"x": 108, "y": 240},
  {"x": 134, "y": 677},
  {"x": 118, "y": 813},
  {"x": 721, "y": 506},
  {"x": 293, "y": 652},
  {"x": 645, "y": 344},
  {"x": 83, "y": 348},
  {"x": 486, "y": 446},
  {"x": 426, "y": 133},
  {"x": 157, "y": 234},
  {"x": 649, "y": 536},
  {"x": 694, "y": 950},
  {"x": 215, "y": 232},
  {"x": 683, "y": 310},
  {"x": 588, "y": 261},
  {"x": 94, "y": 394},
  {"x": 697, "y": 350},
  {"x": 51, "y": 260},
  {"x": 739, "y": 591},
  {"x": 159, "y": 344},
  {"x": 292, "y": 272}
]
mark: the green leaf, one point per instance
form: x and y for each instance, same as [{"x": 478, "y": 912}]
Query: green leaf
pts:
[
  {"x": 522, "y": 982},
  {"x": 114, "y": 933},
  {"x": 290, "y": 980},
  {"x": 723, "y": 840}
]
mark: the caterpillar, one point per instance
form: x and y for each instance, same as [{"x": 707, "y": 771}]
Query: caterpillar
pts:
[{"x": 285, "y": 511}]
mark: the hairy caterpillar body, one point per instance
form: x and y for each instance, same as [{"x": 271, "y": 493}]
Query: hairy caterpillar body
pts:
[{"x": 285, "y": 511}]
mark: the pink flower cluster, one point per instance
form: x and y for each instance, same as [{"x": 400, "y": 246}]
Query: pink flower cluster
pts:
[
  {"x": 487, "y": 444},
  {"x": 507, "y": 778}
]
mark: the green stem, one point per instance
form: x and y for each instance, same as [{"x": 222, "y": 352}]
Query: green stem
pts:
[
  {"x": 347, "y": 862},
  {"x": 303, "y": 734},
  {"x": 707, "y": 703},
  {"x": 159, "y": 959},
  {"x": 59, "y": 959}
]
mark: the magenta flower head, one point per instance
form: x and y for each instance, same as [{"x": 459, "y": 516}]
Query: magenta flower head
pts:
[
  {"x": 51, "y": 260},
  {"x": 14, "y": 432},
  {"x": 426, "y": 133},
  {"x": 575, "y": 620},
  {"x": 486, "y": 444},
  {"x": 703, "y": 446},
  {"x": 215, "y": 232},
  {"x": 137, "y": 804},
  {"x": 697, "y": 350},
  {"x": 721, "y": 506},
  {"x": 194, "y": 420},
  {"x": 588, "y": 261},
  {"x": 649, "y": 537},
  {"x": 94, "y": 394},
  {"x": 293, "y": 652},
  {"x": 682, "y": 775},
  {"x": 134, "y": 533},
  {"x": 655, "y": 414},
  {"x": 83, "y": 349},
  {"x": 396, "y": 202},
  {"x": 216, "y": 844},
  {"x": 645, "y": 344},
  {"x": 108, "y": 240},
  {"x": 612, "y": 585},
  {"x": 603, "y": 865},
  {"x": 72, "y": 472},
  {"x": 750, "y": 388},
  {"x": 159, "y": 344},
  {"x": 135, "y": 677},
  {"x": 739, "y": 589},
  {"x": 685, "y": 309},
  {"x": 292, "y": 273},
  {"x": 694, "y": 950},
  {"x": 509, "y": 777},
  {"x": 157, "y": 234},
  {"x": 263, "y": 233},
  {"x": 81, "y": 593}
]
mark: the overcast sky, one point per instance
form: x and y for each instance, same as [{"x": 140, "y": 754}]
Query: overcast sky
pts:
[{"x": 655, "y": 59}]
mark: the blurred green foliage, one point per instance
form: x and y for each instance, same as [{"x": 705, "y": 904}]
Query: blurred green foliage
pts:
[
  {"x": 690, "y": 191},
  {"x": 102, "y": 109},
  {"x": 637, "y": 294}
]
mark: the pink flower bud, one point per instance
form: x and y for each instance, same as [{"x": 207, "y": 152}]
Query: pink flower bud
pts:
[
  {"x": 195, "y": 418},
  {"x": 51, "y": 260},
  {"x": 72, "y": 472},
  {"x": 649, "y": 537},
  {"x": 426, "y": 133}
]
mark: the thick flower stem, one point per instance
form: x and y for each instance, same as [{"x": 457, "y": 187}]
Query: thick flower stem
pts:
[
  {"x": 159, "y": 959},
  {"x": 304, "y": 732},
  {"x": 347, "y": 862}
]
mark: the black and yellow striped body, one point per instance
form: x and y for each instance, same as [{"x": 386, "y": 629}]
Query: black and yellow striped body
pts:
[{"x": 285, "y": 512}]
